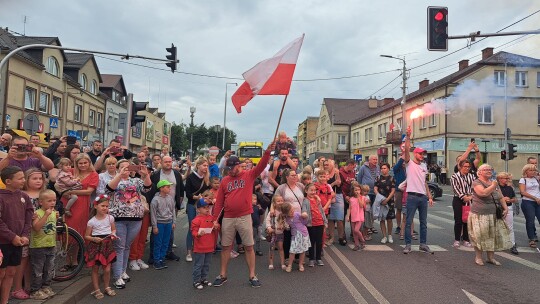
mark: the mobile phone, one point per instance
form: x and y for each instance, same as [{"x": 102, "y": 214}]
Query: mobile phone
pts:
[
  {"x": 472, "y": 139},
  {"x": 115, "y": 150},
  {"x": 233, "y": 152},
  {"x": 25, "y": 148},
  {"x": 71, "y": 140},
  {"x": 134, "y": 168}
]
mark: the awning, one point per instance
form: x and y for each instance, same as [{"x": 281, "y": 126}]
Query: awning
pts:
[{"x": 22, "y": 133}]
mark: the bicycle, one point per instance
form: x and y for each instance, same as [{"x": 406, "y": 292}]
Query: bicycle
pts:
[{"x": 68, "y": 241}]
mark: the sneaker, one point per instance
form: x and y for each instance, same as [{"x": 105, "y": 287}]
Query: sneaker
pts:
[
  {"x": 398, "y": 230},
  {"x": 133, "y": 265},
  {"x": 320, "y": 263},
  {"x": 467, "y": 244},
  {"x": 356, "y": 248},
  {"x": 150, "y": 261},
  {"x": 189, "y": 258},
  {"x": 407, "y": 249},
  {"x": 342, "y": 242},
  {"x": 456, "y": 244},
  {"x": 425, "y": 248},
  {"x": 206, "y": 283},
  {"x": 159, "y": 265},
  {"x": 270, "y": 267},
  {"x": 259, "y": 253},
  {"x": 384, "y": 240},
  {"x": 255, "y": 282},
  {"x": 514, "y": 250},
  {"x": 219, "y": 281},
  {"x": 125, "y": 277},
  {"x": 173, "y": 257},
  {"x": 234, "y": 254},
  {"x": 198, "y": 285},
  {"x": 119, "y": 284},
  {"x": 142, "y": 264},
  {"x": 39, "y": 295},
  {"x": 390, "y": 239},
  {"x": 283, "y": 267},
  {"x": 218, "y": 248},
  {"x": 414, "y": 232},
  {"x": 48, "y": 290},
  {"x": 311, "y": 263},
  {"x": 174, "y": 245}
]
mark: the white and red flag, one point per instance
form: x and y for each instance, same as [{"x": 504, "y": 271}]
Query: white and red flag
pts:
[{"x": 272, "y": 76}]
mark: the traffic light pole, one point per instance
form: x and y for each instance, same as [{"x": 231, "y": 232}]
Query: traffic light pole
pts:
[
  {"x": 127, "y": 128},
  {"x": 473, "y": 35}
]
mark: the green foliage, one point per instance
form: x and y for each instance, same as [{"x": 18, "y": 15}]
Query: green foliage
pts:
[{"x": 202, "y": 137}]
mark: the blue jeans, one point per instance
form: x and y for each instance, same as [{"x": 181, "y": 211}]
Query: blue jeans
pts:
[
  {"x": 191, "y": 213},
  {"x": 421, "y": 203},
  {"x": 126, "y": 231},
  {"x": 201, "y": 266},
  {"x": 169, "y": 249},
  {"x": 162, "y": 240},
  {"x": 530, "y": 210}
]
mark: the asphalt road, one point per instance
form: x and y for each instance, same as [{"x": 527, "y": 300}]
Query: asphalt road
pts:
[{"x": 379, "y": 274}]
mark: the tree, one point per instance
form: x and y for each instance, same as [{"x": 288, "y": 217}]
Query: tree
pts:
[{"x": 202, "y": 137}]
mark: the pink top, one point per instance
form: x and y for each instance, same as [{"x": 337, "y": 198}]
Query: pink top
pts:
[
  {"x": 416, "y": 177},
  {"x": 357, "y": 211}
]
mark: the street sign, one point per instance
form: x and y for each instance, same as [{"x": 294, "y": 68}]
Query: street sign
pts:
[
  {"x": 358, "y": 157},
  {"x": 213, "y": 150},
  {"x": 8, "y": 117},
  {"x": 74, "y": 134},
  {"x": 53, "y": 122},
  {"x": 31, "y": 124}
]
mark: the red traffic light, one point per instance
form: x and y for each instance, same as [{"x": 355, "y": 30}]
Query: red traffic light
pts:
[{"x": 440, "y": 15}]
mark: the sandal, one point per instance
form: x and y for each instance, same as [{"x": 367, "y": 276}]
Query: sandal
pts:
[
  {"x": 110, "y": 292},
  {"x": 301, "y": 268},
  {"x": 241, "y": 250},
  {"x": 97, "y": 294},
  {"x": 532, "y": 244},
  {"x": 479, "y": 262},
  {"x": 20, "y": 294},
  {"x": 494, "y": 262},
  {"x": 414, "y": 237}
]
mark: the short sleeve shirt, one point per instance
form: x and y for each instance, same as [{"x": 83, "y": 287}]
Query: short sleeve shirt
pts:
[
  {"x": 101, "y": 227},
  {"x": 46, "y": 237},
  {"x": 416, "y": 177}
]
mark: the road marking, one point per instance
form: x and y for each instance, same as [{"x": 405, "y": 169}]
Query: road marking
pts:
[
  {"x": 451, "y": 195},
  {"x": 374, "y": 248},
  {"x": 429, "y": 225},
  {"x": 473, "y": 298},
  {"x": 442, "y": 219},
  {"x": 432, "y": 247},
  {"x": 343, "y": 278},
  {"x": 374, "y": 292},
  {"x": 518, "y": 260}
]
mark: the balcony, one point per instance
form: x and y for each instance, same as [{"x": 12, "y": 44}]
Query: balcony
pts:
[
  {"x": 342, "y": 147},
  {"x": 393, "y": 137}
]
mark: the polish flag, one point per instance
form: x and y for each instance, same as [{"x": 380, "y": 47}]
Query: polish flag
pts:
[{"x": 272, "y": 76}]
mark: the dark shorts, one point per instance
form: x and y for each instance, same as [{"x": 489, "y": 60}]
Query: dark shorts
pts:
[{"x": 12, "y": 255}]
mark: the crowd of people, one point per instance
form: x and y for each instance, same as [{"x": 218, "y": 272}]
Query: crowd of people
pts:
[{"x": 113, "y": 196}]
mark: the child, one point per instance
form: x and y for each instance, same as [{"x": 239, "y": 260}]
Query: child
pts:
[
  {"x": 316, "y": 221},
  {"x": 203, "y": 244},
  {"x": 306, "y": 179},
  {"x": 256, "y": 222},
  {"x": 66, "y": 181},
  {"x": 163, "y": 217},
  {"x": 15, "y": 225},
  {"x": 300, "y": 238},
  {"x": 42, "y": 246},
  {"x": 214, "y": 183},
  {"x": 100, "y": 234},
  {"x": 368, "y": 216},
  {"x": 328, "y": 197},
  {"x": 276, "y": 224},
  {"x": 208, "y": 196},
  {"x": 355, "y": 214}
]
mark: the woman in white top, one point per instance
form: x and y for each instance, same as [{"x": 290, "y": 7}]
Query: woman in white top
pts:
[
  {"x": 292, "y": 192},
  {"x": 529, "y": 189},
  {"x": 107, "y": 176}
]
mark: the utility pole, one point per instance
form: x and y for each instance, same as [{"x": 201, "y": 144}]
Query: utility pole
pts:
[{"x": 404, "y": 90}]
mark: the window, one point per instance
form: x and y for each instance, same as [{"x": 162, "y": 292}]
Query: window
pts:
[
  {"x": 55, "y": 106},
  {"x": 432, "y": 120},
  {"x": 30, "y": 98},
  {"x": 400, "y": 122},
  {"x": 422, "y": 122},
  {"x": 53, "y": 67},
  {"x": 521, "y": 79},
  {"x": 485, "y": 114},
  {"x": 341, "y": 139},
  {"x": 91, "y": 118},
  {"x": 538, "y": 79},
  {"x": 368, "y": 134},
  {"x": 93, "y": 87},
  {"x": 99, "y": 122},
  {"x": 500, "y": 78},
  {"x": 78, "y": 113},
  {"x": 382, "y": 131},
  {"x": 44, "y": 102},
  {"x": 115, "y": 125},
  {"x": 83, "y": 82},
  {"x": 356, "y": 138}
]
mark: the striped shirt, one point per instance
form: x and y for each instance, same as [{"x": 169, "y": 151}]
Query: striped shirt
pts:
[{"x": 462, "y": 184}]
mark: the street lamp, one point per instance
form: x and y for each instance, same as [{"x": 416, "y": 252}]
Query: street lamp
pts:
[
  {"x": 192, "y": 111},
  {"x": 404, "y": 89},
  {"x": 225, "y": 112}
]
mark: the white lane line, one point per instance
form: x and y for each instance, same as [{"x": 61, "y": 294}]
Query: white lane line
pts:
[
  {"x": 343, "y": 278},
  {"x": 474, "y": 299},
  {"x": 374, "y": 292},
  {"x": 434, "y": 248},
  {"x": 442, "y": 219},
  {"x": 518, "y": 260},
  {"x": 451, "y": 195},
  {"x": 374, "y": 248},
  {"x": 429, "y": 225}
]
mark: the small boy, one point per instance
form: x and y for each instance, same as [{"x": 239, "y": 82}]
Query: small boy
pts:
[
  {"x": 256, "y": 222},
  {"x": 42, "y": 246},
  {"x": 214, "y": 183},
  {"x": 204, "y": 242},
  {"x": 163, "y": 218},
  {"x": 16, "y": 213}
]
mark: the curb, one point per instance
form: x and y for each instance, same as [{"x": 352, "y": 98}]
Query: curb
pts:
[{"x": 74, "y": 292}]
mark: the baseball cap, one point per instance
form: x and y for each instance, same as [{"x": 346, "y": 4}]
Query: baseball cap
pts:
[
  {"x": 163, "y": 182},
  {"x": 201, "y": 203},
  {"x": 232, "y": 161},
  {"x": 419, "y": 150}
]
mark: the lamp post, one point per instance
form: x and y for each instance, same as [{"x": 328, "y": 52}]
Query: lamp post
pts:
[
  {"x": 192, "y": 111},
  {"x": 404, "y": 89},
  {"x": 225, "y": 113}
]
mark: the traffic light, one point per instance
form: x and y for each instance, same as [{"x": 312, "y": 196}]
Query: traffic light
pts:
[
  {"x": 437, "y": 32},
  {"x": 512, "y": 150},
  {"x": 135, "y": 118},
  {"x": 172, "y": 57},
  {"x": 503, "y": 154}
]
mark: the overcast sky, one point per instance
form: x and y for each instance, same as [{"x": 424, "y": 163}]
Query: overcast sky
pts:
[{"x": 226, "y": 38}]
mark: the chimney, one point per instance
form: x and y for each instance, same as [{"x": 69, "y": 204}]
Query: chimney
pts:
[
  {"x": 487, "y": 52},
  {"x": 463, "y": 64},
  {"x": 372, "y": 103},
  {"x": 424, "y": 83}
]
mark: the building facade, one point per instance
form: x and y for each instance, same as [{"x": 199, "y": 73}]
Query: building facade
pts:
[{"x": 307, "y": 132}]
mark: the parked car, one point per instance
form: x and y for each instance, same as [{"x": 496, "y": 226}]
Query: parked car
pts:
[{"x": 435, "y": 189}]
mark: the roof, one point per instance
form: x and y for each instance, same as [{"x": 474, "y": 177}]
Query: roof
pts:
[
  {"x": 78, "y": 60},
  {"x": 10, "y": 42},
  {"x": 112, "y": 81},
  {"x": 346, "y": 111}
]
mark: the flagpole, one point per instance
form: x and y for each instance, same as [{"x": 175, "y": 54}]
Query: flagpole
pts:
[{"x": 280, "y": 115}]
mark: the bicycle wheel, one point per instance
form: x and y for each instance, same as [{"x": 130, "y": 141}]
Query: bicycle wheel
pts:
[{"x": 69, "y": 259}]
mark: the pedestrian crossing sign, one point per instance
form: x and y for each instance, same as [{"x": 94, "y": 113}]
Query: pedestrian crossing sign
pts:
[{"x": 53, "y": 122}]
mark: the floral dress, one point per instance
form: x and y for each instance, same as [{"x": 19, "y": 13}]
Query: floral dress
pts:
[
  {"x": 300, "y": 237},
  {"x": 384, "y": 185}
]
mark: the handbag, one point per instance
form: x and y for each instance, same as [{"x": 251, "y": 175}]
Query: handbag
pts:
[
  {"x": 465, "y": 210},
  {"x": 498, "y": 209}
]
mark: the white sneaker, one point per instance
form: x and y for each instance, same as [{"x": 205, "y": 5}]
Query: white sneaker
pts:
[
  {"x": 142, "y": 264},
  {"x": 174, "y": 245},
  {"x": 133, "y": 265},
  {"x": 125, "y": 277},
  {"x": 390, "y": 239},
  {"x": 384, "y": 240},
  {"x": 189, "y": 258}
]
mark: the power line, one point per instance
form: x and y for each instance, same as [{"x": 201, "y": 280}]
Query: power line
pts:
[{"x": 373, "y": 94}]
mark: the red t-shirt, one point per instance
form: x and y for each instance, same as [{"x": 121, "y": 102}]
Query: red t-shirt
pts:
[
  {"x": 205, "y": 243},
  {"x": 325, "y": 193},
  {"x": 316, "y": 216}
]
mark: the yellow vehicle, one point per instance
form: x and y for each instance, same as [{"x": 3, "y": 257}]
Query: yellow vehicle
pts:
[{"x": 250, "y": 149}]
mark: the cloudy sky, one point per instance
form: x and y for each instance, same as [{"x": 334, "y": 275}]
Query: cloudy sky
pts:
[{"x": 222, "y": 39}]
